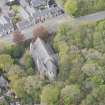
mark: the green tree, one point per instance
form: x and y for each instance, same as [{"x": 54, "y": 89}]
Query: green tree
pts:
[
  {"x": 16, "y": 51},
  {"x": 99, "y": 36},
  {"x": 50, "y": 95},
  {"x": 33, "y": 86},
  {"x": 71, "y": 7},
  {"x": 96, "y": 97},
  {"x": 15, "y": 72},
  {"x": 70, "y": 95},
  {"x": 5, "y": 62},
  {"x": 28, "y": 63},
  {"x": 3, "y": 102}
]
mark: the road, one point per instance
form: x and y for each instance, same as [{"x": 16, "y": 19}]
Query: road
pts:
[
  {"x": 92, "y": 17},
  {"x": 52, "y": 24}
]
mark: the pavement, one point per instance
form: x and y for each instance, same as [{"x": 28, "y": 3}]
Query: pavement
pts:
[
  {"x": 53, "y": 23},
  {"x": 92, "y": 17}
]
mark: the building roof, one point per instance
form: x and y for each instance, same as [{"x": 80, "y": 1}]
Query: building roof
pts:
[
  {"x": 3, "y": 82},
  {"x": 42, "y": 54},
  {"x": 43, "y": 48},
  {"x": 23, "y": 24},
  {"x": 3, "y": 20},
  {"x": 24, "y": 14},
  {"x": 37, "y": 14},
  {"x": 1, "y": 27},
  {"x": 30, "y": 10},
  {"x": 5, "y": 25},
  {"x": 23, "y": 3},
  {"x": 37, "y": 3}
]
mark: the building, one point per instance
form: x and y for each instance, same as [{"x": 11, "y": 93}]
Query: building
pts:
[
  {"x": 51, "y": 3},
  {"x": 24, "y": 14},
  {"x": 43, "y": 3},
  {"x": 24, "y": 3},
  {"x": 1, "y": 30},
  {"x": 30, "y": 10},
  {"x": 24, "y": 24},
  {"x": 38, "y": 3},
  {"x": 12, "y": 2},
  {"x": 6, "y": 26},
  {"x": 26, "y": 19},
  {"x": 44, "y": 58},
  {"x": 3, "y": 82}
]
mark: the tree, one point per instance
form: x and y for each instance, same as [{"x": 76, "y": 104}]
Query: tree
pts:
[
  {"x": 50, "y": 95},
  {"x": 15, "y": 20},
  {"x": 61, "y": 2},
  {"x": 3, "y": 102},
  {"x": 18, "y": 88},
  {"x": 28, "y": 89},
  {"x": 70, "y": 95},
  {"x": 5, "y": 62},
  {"x": 83, "y": 7},
  {"x": 86, "y": 31},
  {"x": 96, "y": 97},
  {"x": 26, "y": 60},
  {"x": 99, "y": 36},
  {"x": 3, "y": 46},
  {"x": 93, "y": 69},
  {"x": 28, "y": 63},
  {"x": 15, "y": 8},
  {"x": 64, "y": 61},
  {"x": 15, "y": 72},
  {"x": 15, "y": 51},
  {"x": 71, "y": 7},
  {"x": 33, "y": 86},
  {"x": 18, "y": 37},
  {"x": 41, "y": 32}
]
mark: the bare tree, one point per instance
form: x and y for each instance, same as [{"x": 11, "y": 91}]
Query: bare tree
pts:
[
  {"x": 40, "y": 32},
  {"x": 18, "y": 37}
]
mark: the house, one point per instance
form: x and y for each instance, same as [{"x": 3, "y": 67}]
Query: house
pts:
[
  {"x": 26, "y": 19},
  {"x": 24, "y": 14},
  {"x": 23, "y": 3},
  {"x": 38, "y": 3},
  {"x": 51, "y": 3},
  {"x": 3, "y": 82},
  {"x": 6, "y": 25},
  {"x": 30, "y": 10},
  {"x": 56, "y": 11},
  {"x": 44, "y": 58},
  {"x": 42, "y": 15},
  {"x": 37, "y": 16},
  {"x": 12, "y": 2},
  {"x": 43, "y": 3},
  {"x": 45, "y": 13},
  {"x": 23, "y": 24},
  {"x": 1, "y": 30}
]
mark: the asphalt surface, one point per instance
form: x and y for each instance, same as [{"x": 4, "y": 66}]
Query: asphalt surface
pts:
[
  {"x": 53, "y": 24},
  {"x": 92, "y": 17}
]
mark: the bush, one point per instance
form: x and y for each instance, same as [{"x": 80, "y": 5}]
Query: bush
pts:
[{"x": 16, "y": 51}]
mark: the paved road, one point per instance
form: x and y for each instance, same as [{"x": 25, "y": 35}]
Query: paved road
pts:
[
  {"x": 53, "y": 23},
  {"x": 93, "y": 17}
]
